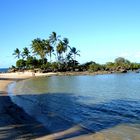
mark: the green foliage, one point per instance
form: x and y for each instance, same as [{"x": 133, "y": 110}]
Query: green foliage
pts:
[
  {"x": 31, "y": 62},
  {"x": 39, "y": 47},
  {"x": 17, "y": 53},
  {"x": 110, "y": 66},
  {"x": 25, "y": 53},
  {"x": 134, "y": 66},
  {"x": 21, "y": 64},
  {"x": 95, "y": 67},
  {"x": 54, "y": 66},
  {"x": 59, "y": 49}
]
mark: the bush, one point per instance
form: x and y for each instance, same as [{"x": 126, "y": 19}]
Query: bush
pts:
[{"x": 21, "y": 64}]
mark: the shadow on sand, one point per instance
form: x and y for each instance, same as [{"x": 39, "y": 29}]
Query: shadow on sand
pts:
[
  {"x": 59, "y": 112},
  {"x": 16, "y": 124}
]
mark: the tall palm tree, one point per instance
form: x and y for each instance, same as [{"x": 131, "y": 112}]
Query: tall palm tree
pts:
[
  {"x": 75, "y": 53},
  {"x": 60, "y": 49},
  {"x": 25, "y": 53},
  {"x": 54, "y": 38},
  {"x": 17, "y": 53},
  {"x": 66, "y": 46},
  {"x": 49, "y": 48},
  {"x": 39, "y": 48}
]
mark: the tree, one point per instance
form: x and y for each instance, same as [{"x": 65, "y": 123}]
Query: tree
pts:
[
  {"x": 21, "y": 64},
  {"x": 31, "y": 62},
  {"x": 122, "y": 63},
  {"x": 39, "y": 48},
  {"x": 17, "y": 53},
  {"x": 49, "y": 48},
  {"x": 54, "y": 38},
  {"x": 60, "y": 48},
  {"x": 66, "y": 46},
  {"x": 95, "y": 67},
  {"x": 25, "y": 53},
  {"x": 110, "y": 66},
  {"x": 75, "y": 53}
]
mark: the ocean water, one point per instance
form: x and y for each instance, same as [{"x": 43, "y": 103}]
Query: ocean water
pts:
[
  {"x": 109, "y": 104},
  {"x": 3, "y": 70}
]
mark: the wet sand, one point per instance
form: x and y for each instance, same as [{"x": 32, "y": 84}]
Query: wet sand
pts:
[{"x": 14, "y": 122}]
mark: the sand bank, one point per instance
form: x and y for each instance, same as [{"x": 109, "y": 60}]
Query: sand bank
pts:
[{"x": 23, "y": 75}]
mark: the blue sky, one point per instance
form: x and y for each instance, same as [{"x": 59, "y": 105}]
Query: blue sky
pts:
[{"x": 101, "y": 29}]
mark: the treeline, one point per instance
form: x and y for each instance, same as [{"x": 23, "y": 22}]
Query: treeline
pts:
[
  {"x": 51, "y": 54},
  {"x": 55, "y": 54},
  {"x": 120, "y": 64}
]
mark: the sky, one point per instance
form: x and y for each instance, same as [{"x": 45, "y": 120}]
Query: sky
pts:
[{"x": 101, "y": 29}]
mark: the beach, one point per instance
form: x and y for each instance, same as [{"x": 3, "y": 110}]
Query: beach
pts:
[{"x": 15, "y": 123}]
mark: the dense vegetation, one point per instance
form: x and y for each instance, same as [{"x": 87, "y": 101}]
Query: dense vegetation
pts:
[{"x": 55, "y": 54}]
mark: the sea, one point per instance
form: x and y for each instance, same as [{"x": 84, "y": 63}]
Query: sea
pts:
[
  {"x": 3, "y": 70},
  {"x": 102, "y": 104}
]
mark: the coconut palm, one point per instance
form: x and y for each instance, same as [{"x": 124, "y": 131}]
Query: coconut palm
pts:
[
  {"x": 54, "y": 38},
  {"x": 66, "y": 45},
  {"x": 17, "y": 53},
  {"x": 49, "y": 48},
  {"x": 75, "y": 53},
  {"x": 60, "y": 48},
  {"x": 25, "y": 53},
  {"x": 39, "y": 48}
]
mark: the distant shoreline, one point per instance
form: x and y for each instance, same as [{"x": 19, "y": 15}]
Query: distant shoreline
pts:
[{"x": 30, "y": 74}]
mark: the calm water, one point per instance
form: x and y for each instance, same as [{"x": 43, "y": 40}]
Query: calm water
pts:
[
  {"x": 3, "y": 70},
  {"x": 103, "y": 103}
]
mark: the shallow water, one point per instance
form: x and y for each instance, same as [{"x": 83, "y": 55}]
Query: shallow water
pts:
[{"x": 101, "y": 103}]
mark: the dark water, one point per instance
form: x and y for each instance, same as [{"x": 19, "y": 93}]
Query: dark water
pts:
[
  {"x": 3, "y": 70},
  {"x": 96, "y": 103}
]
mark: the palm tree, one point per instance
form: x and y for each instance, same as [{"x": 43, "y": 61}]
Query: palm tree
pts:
[
  {"x": 66, "y": 42},
  {"x": 49, "y": 48},
  {"x": 60, "y": 48},
  {"x": 54, "y": 38},
  {"x": 66, "y": 45},
  {"x": 25, "y": 52},
  {"x": 75, "y": 53},
  {"x": 17, "y": 53},
  {"x": 39, "y": 48}
]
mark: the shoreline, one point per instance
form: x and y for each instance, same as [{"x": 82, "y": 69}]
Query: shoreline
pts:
[
  {"x": 15, "y": 123},
  {"x": 21, "y": 124},
  {"x": 18, "y": 124}
]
